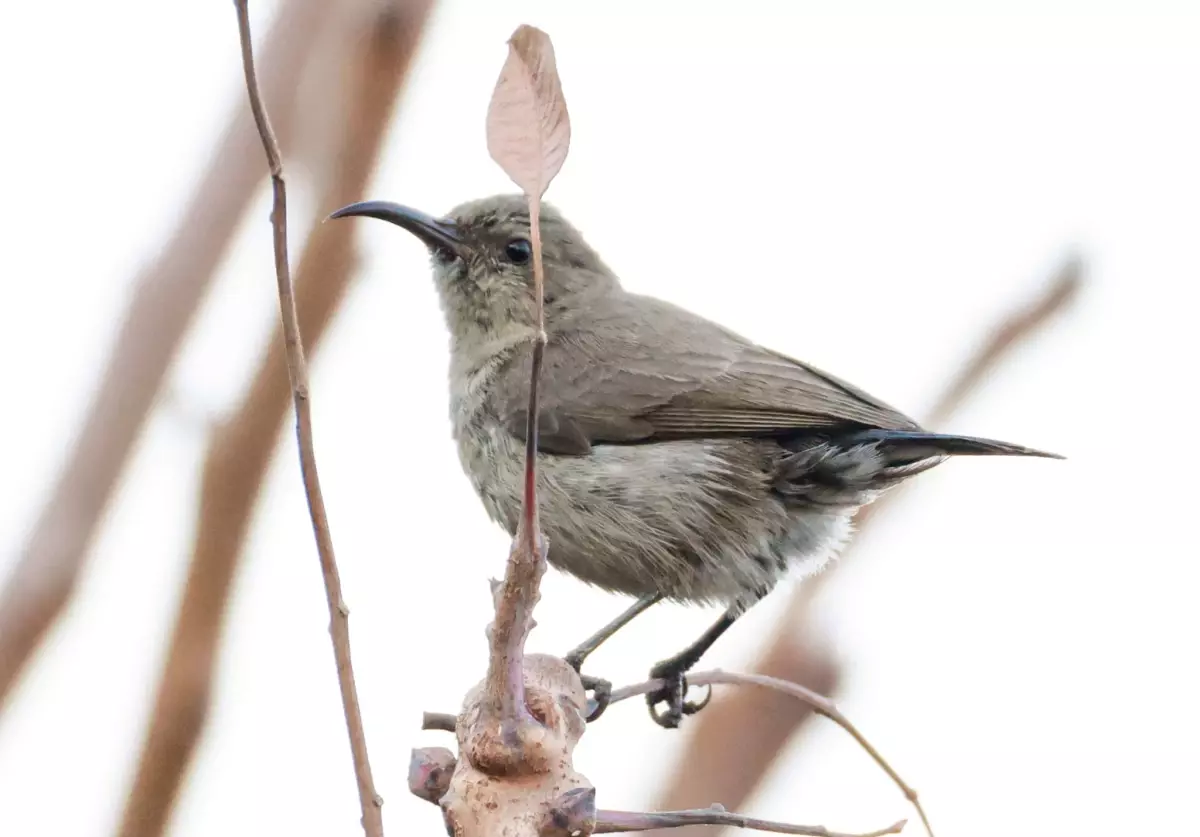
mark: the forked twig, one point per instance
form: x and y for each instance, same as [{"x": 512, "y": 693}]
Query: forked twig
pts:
[{"x": 372, "y": 818}]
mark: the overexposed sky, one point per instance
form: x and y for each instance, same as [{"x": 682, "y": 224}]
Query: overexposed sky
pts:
[{"x": 859, "y": 186}]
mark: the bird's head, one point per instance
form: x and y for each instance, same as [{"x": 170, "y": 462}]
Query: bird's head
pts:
[{"x": 482, "y": 255}]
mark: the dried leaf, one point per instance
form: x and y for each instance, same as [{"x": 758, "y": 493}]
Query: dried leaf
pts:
[{"x": 528, "y": 130}]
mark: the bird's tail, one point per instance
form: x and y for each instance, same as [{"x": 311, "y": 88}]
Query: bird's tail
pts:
[{"x": 915, "y": 445}]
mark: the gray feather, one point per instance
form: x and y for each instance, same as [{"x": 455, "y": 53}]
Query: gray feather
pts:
[
  {"x": 676, "y": 457},
  {"x": 638, "y": 369}
]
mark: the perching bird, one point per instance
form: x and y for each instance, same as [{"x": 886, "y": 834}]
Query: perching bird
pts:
[{"x": 678, "y": 460}]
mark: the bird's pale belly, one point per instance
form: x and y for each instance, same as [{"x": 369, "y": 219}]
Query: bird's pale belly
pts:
[{"x": 692, "y": 520}]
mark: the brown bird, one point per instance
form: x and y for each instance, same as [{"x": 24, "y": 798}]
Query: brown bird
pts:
[{"x": 678, "y": 460}]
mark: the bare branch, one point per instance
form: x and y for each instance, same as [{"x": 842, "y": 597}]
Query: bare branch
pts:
[
  {"x": 369, "y": 800},
  {"x": 241, "y": 450},
  {"x": 515, "y": 601},
  {"x": 820, "y": 704},
  {"x": 613, "y": 822},
  {"x": 166, "y": 296}
]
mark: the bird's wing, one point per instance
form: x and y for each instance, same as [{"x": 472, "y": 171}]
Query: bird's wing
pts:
[{"x": 637, "y": 369}]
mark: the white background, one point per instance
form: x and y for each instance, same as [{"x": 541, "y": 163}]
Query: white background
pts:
[{"x": 863, "y": 188}]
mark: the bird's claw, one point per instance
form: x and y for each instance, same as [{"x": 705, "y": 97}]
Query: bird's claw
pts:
[
  {"x": 673, "y": 694},
  {"x": 575, "y": 661},
  {"x": 601, "y": 690}
]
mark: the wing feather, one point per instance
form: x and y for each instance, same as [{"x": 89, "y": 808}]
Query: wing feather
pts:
[{"x": 637, "y": 369}]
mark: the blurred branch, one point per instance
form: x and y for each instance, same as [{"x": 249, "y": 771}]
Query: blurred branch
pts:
[
  {"x": 710, "y": 767},
  {"x": 1016, "y": 328},
  {"x": 241, "y": 450},
  {"x": 165, "y": 297}
]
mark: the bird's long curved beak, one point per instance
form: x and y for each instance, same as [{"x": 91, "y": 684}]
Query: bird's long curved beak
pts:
[{"x": 436, "y": 233}]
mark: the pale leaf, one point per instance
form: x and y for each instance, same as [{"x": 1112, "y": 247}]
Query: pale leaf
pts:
[{"x": 528, "y": 130}]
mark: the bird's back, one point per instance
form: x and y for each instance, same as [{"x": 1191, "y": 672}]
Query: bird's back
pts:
[{"x": 635, "y": 369}]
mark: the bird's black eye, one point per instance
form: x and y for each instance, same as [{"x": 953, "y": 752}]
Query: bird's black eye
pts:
[{"x": 518, "y": 251}]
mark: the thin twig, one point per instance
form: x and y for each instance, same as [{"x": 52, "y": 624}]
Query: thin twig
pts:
[
  {"x": 528, "y": 135},
  {"x": 820, "y": 704},
  {"x": 615, "y": 822},
  {"x": 369, "y": 800},
  {"x": 535, "y": 376},
  {"x": 527, "y": 559},
  {"x": 242, "y": 447},
  {"x": 166, "y": 296}
]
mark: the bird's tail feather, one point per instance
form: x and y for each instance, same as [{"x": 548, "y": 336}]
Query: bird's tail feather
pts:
[{"x": 914, "y": 445}]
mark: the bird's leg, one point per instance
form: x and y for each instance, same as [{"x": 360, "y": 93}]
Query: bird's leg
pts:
[
  {"x": 602, "y": 689},
  {"x": 672, "y": 670},
  {"x": 585, "y": 648}
]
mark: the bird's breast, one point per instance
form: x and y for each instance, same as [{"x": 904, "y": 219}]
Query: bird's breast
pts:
[{"x": 491, "y": 459}]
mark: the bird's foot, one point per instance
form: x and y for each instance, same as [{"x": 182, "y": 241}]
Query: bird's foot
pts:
[
  {"x": 672, "y": 693},
  {"x": 600, "y": 688}
]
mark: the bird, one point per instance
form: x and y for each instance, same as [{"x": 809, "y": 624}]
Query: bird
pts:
[{"x": 678, "y": 460}]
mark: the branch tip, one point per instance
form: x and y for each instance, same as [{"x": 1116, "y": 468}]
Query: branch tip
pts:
[
  {"x": 429, "y": 772},
  {"x": 440, "y": 721},
  {"x": 571, "y": 815}
]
